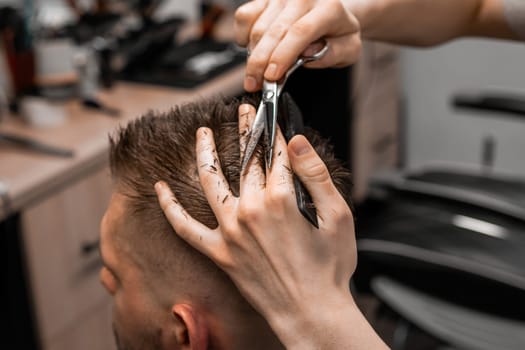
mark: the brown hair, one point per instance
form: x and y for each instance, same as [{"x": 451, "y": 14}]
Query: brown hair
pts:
[{"x": 161, "y": 146}]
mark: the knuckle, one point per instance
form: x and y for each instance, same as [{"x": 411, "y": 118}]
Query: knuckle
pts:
[
  {"x": 333, "y": 9},
  {"x": 257, "y": 59},
  {"x": 341, "y": 221},
  {"x": 256, "y": 33},
  {"x": 241, "y": 38},
  {"x": 224, "y": 261},
  {"x": 356, "y": 45},
  {"x": 230, "y": 230},
  {"x": 318, "y": 173},
  {"x": 277, "y": 30},
  {"x": 353, "y": 42},
  {"x": 300, "y": 28},
  {"x": 349, "y": 53},
  {"x": 233, "y": 235},
  {"x": 277, "y": 196},
  {"x": 335, "y": 6},
  {"x": 242, "y": 15},
  {"x": 344, "y": 217},
  {"x": 248, "y": 212},
  {"x": 256, "y": 64}
]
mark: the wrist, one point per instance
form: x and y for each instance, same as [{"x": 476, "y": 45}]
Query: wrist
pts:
[
  {"x": 333, "y": 322},
  {"x": 303, "y": 328},
  {"x": 366, "y": 13}
]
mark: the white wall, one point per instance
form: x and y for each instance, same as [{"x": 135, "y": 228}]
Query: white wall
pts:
[{"x": 437, "y": 132}]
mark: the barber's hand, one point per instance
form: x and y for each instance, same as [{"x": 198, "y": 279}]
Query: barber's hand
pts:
[
  {"x": 277, "y": 32},
  {"x": 285, "y": 267}
]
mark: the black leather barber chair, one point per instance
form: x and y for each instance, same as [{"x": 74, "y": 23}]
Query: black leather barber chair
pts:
[{"x": 444, "y": 250}]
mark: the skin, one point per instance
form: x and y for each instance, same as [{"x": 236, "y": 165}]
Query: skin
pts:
[
  {"x": 279, "y": 31},
  {"x": 191, "y": 306},
  {"x": 262, "y": 242},
  {"x": 262, "y": 233},
  {"x": 139, "y": 319}
]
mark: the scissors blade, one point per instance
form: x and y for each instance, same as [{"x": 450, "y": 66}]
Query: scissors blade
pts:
[
  {"x": 255, "y": 135},
  {"x": 270, "y": 99}
]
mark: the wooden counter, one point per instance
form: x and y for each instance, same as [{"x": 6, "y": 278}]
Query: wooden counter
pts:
[
  {"x": 28, "y": 176},
  {"x": 52, "y": 208}
]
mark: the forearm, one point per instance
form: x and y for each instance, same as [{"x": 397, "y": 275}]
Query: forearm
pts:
[
  {"x": 335, "y": 324},
  {"x": 430, "y": 22}
]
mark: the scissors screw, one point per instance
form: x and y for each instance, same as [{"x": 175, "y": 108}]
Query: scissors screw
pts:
[{"x": 268, "y": 95}]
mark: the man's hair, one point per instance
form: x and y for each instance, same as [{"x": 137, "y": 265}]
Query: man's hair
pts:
[{"x": 161, "y": 146}]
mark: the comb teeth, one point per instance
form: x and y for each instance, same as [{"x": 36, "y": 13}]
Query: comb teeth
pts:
[
  {"x": 291, "y": 122},
  {"x": 291, "y": 117}
]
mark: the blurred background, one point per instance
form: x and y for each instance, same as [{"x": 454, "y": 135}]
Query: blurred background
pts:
[{"x": 435, "y": 138}]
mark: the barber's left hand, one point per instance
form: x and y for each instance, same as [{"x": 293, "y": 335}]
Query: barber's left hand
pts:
[{"x": 284, "y": 266}]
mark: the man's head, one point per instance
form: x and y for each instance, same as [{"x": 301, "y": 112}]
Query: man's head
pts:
[{"x": 168, "y": 295}]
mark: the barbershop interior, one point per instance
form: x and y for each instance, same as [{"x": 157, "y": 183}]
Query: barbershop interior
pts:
[{"x": 434, "y": 138}]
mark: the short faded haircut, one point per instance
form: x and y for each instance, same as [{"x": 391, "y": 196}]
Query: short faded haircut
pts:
[{"x": 161, "y": 146}]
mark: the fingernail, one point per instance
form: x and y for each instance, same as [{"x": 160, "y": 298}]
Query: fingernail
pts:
[
  {"x": 271, "y": 71},
  {"x": 244, "y": 109},
  {"x": 300, "y": 145},
  {"x": 159, "y": 185},
  {"x": 250, "y": 83},
  {"x": 202, "y": 131}
]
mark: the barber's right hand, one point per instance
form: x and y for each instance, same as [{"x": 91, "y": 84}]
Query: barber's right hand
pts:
[
  {"x": 277, "y": 32},
  {"x": 294, "y": 274}
]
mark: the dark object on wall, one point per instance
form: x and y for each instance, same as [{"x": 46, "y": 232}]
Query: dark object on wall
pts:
[
  {"x": 512, "y": 104},
  {"x": 18, "y": 50}
]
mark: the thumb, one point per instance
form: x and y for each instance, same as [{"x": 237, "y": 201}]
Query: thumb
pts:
[{"x": 312, "y": 171}]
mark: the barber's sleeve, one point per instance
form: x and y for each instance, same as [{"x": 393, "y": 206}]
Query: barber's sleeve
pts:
[{"x": 515, "y": 14}]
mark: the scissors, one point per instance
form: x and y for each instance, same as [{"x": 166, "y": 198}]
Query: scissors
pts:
[
  {"x": 266, "y": 120},
  {"x": 266, "y": 117}
]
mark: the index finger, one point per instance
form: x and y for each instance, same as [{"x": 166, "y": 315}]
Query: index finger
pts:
[
  {"x": 214, "y": 184},
  {"x": 185, "y": 226},
  {"x": 246, "y": 118},
  {"x": 253, "y": 175},
  {"x": 316, "y": 24}
]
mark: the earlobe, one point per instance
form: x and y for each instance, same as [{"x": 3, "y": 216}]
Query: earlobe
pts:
[{"x": 192, "y": 330}]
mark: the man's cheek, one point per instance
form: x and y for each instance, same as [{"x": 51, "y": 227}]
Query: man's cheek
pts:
[
  {"x": 121, "y": 331},
  {"x": 128, "y": 319}
]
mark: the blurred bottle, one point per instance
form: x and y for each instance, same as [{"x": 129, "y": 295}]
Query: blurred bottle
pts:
[
  {"x": 17, "y": 50},
  {"x": 210, "y": 12},
  {"x": 5, "y": 83},
  {"x": 87, "y": 65},
  {"x": 56, "y": 75}
]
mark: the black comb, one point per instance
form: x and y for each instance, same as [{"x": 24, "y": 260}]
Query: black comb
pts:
[{"x": 291, "y": 123}]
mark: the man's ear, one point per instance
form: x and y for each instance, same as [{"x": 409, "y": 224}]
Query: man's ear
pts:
[{"x": 191, "y": 330}]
